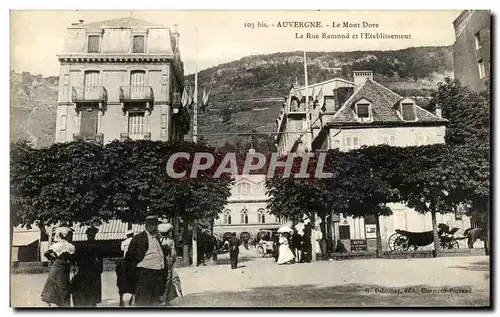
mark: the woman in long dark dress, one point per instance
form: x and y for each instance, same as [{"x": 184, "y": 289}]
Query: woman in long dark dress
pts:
[
  {"x": 173, "y": 287},
  {"x": 57, "y": 287},
  {"x": 87, "y": 286}
]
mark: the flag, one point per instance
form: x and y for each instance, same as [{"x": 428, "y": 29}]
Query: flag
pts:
[
  {"x": 190, "y": 97},
  {"x": 320, "y": 98},
  {"x": 204, "y": 99},
  {"x": 312, "y": 97},
  {"x": 185, "y": 97}
]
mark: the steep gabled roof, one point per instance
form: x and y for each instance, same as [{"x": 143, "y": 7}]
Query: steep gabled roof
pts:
[
  {"x": 383, "y": 101},
  {"x": 122, "y": 22}
]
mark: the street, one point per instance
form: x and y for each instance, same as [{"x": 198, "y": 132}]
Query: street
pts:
[{"x": 260, "y": 282}]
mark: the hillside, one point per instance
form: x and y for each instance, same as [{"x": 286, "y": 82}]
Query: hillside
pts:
[{"x": 247, "y": 93}]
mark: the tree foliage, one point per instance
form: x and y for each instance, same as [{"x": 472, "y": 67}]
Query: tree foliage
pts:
[{"x": 86, "y": 182}]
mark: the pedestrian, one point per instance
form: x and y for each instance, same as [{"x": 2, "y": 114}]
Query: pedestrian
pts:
[
  {"x": 125, "y": 278},
  {"x": 57, "y": 289},
  {"x": 318, "y": 236},
  {"x": 145, "y": 256},
  {"x": 306, "y": 241},
  {"x": 297, "y": 246},
  {"x": 87, "y": 287},
  {"x": 276, "y": 248},
  {"x": 285, "y": 254},
  {"x": 234, "y": 250},
  {"x": 173, "y": 287}
]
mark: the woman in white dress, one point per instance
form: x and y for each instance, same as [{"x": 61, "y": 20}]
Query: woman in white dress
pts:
[{"x": 285, "y": 254}]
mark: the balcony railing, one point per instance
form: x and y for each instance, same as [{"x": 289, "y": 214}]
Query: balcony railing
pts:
[
  {"x": 89, "y": 94},
  {"x": 136, "y": 136},
  {"x": 136, "y": 94},
  {"x": 98, "y": 137}
]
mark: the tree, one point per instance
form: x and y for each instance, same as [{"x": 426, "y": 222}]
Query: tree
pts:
[
  {"x": 56, "y": 184},
  {"x": 366, "y": 183},
  {"x": 468, "y": 131}
]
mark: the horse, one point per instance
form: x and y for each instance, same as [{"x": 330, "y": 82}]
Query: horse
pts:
[
  {"x": 125, "y": 282},
  {"x": 473, "y": 234}
]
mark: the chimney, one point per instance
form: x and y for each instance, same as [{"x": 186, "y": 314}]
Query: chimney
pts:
[
  {"x": 439, "y": 112},
  {"x": 360, "y": 77}
]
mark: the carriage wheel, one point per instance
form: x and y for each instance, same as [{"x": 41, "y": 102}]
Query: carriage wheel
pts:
[
  {"x": 260, "y": 251},
  {"x": 398, "y": 242},
  {"x": 453, "y": 244}
]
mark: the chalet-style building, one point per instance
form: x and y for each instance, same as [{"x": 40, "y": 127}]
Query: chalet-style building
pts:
[{"x": 372, "y": 114}]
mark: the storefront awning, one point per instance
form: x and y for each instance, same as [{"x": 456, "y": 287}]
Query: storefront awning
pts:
[
  {"x": 112, "y": 230},
  {"x": 20, "y": 239}
]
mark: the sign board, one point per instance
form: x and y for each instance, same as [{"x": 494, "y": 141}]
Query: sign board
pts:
[
  {"x": 370, "y": 231},
  {"x": 359, "y": 245}
]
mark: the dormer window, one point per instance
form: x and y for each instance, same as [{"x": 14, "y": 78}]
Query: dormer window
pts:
[
  {"x": 407, "y": 110},
  {"x": 363, "y": 110}
]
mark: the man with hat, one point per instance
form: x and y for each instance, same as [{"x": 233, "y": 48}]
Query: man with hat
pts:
[{"x": 145, "y": 257}]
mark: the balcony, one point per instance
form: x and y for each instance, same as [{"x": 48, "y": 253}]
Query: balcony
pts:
[
  {"x": 97, "y": 138},
  {"x": 124, "y": 136},
  {"x": 89, "y": 94},
  {"x": 136, "y": 94}
]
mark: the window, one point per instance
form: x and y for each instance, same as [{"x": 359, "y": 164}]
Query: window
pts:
[
  {"x": 329, "y": 103},
  {"x": 94, "y": 44},
  {"x": 408, "y": 111},
  {"x": 351, "y": 142},
  {"x": 65, "y": 84},
  {"x": 227, "y": 217},
  {"x": 163, "y": 123},
  {"x": 480, "y": 66},
  {"x": 136, "y": 123},
  {"x": 389, "y": 140},
  {"x": 244, "y": 216},
  {"x": 424, "y": 140},
  {"x": 138, "y": 46},
  {"x": 63, "y": 122},
  {"x": 363, "y": 110},
  {"x": 477, "y": 40},
  {"x": 62, "y": 135},
  {"x": 243, "y": 189},
  {"x": 262, "y": 215}
]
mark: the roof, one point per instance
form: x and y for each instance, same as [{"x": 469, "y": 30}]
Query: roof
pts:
[
  {"x": 383, "y": 102},
  {"x": 115, "y": 23},
  {"x": 112, "y": 230},
  {"x": 24, "y": 238}
]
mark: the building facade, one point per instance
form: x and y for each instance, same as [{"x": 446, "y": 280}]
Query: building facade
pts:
[
  {"x": 291, "y": 121},
  {"x": 246, "y": 211},
  {"x": 120, "y": 79},
  {"x": 472, "y": 48},
  {"x": 371, "y": 114}
]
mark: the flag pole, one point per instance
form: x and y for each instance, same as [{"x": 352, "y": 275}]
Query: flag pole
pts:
[
  {"x": 308, "y": 118},
  {"x": 195, "y": 93},
  {"x": 194, "y": 239}
]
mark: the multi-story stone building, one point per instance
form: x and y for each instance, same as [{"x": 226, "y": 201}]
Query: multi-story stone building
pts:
[
  {"x": 472, "y": 48},
  {"x": 246, "y": 212},
  {"x": 120, "y": 79}
]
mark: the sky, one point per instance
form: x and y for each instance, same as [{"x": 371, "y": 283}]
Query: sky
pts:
[{"x": 38, "y": 36}]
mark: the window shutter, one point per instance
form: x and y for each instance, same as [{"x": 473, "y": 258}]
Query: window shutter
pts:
[
  {"x": 429, "y": 140},
  {"x": 355, "y": 141},
  {"x": 385, "y": 140},
  {"x": 348, "y": 142}
]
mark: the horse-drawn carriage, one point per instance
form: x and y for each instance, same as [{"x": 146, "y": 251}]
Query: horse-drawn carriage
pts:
[
  {"x": 265, "y": 242},
  {"x": 403, "y": 240}
]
